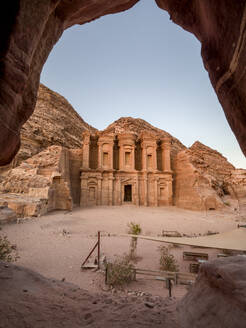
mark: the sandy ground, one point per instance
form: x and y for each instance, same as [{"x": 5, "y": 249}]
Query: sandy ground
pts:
[{"x": 44, "y": 248}]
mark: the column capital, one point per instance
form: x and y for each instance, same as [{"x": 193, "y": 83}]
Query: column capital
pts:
[{"x": 165, "y": 141}]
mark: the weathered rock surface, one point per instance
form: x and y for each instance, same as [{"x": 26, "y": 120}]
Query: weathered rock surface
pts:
[
  {"x": 220, "y": 27},
  {"x": 53, "y": 122},
  {"x": 28, "y": 299},
  {"x": 202, "y": 178},
  {"x": 39, "y": 184},
  {"x": 238, "y": 180},
  {"x": 31, "y": 28},
  {"x": 7, "y": 215},
  {"x": 218, "y": 298}
]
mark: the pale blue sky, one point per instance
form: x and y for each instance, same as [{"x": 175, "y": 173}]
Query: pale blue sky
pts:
[{"x": 140, "y": 64}]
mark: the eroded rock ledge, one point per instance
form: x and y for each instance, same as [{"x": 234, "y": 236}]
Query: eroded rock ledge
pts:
[
  {"x": 218, "y": 298},
  {"x": 31, "y": 28},
  {"x": 28, "y": 299}
]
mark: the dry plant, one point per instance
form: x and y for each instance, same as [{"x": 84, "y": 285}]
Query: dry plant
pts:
[
  {"x": 167, "y": 260},
  {"x": 133, "y": 229},
  {"x": 210, "y": 233},
  {"x": 120, "y": 272},
  {"x": 8, "y": 251}
]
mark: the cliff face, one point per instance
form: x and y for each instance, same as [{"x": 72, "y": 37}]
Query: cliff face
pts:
[
  {"x": 53, "y": 122},
  {"x": 203, "y": 179},
  {"x": 39, "y": 184}
]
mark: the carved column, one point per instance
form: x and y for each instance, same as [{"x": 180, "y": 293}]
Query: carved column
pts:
[
  {"x": 133, "y": 157},
  {"x": 118, "y": 191},
  {"x": 170, "y": 192},
  {"x": 121, "y": 157},
  {"x": 137, "y": 190},
  {"x": 99, "y": 191},
  {"x": 99, "y": 155},
  {"x": 110, "y": 189},
  {"x": 111, "y": 164},
  {"x": 166, "y": 148},
  {"x": 156, "y": 191},
  {"x": 86, "y": 150},
  {"x": 83, "y": 195},
  {"x": 144, "y": 157},
  {"x": 154, "y": 156},
  {"x": 145, "y": 190}
]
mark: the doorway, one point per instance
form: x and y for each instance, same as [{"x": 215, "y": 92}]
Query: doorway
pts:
[{"x": 127, "y": 193}]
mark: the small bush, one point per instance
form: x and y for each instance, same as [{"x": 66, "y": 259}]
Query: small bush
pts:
[
  {"x": 120, "y": 272},
  {"x": 167, "y": 261},
  {"x": 210, "y": 233},
  {"x": 134, "y": 228},
  {"x": 7, "y": 250}
]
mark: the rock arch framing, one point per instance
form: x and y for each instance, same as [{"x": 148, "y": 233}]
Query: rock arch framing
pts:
[{"x": 30, "y": 29}]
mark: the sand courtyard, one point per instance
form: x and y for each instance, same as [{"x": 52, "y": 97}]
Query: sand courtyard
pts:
[{"x": 56, "y": 244}]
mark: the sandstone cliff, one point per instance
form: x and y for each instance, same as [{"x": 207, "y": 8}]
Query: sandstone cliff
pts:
[
  {"x": 39, "y": 184},
  {"x": 218, "y": 298},
  {"x": 53, "y": 122},
  {"x": 52, "y": 139},
  {"x": 203, "y": 178}
]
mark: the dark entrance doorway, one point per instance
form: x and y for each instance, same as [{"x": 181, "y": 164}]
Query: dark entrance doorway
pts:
[{"x": 128, "y": 193}]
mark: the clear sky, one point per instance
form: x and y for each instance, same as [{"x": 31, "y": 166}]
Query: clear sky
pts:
[{"x": 140, "y": 64}]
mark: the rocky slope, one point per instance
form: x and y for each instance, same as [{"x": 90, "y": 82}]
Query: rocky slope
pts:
[
  {"x": 28, "y": 299},
  {"x": 53, "y": 122},
  {"x": 39, "y": 184},
  {"x": 203, "y": 178}
]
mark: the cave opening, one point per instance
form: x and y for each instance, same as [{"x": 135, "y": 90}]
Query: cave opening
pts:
[{"x": 130, "y": 64}]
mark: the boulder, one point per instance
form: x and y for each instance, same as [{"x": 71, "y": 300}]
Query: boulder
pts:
[
  {"x": 7, "y": 215},
  {"x": 218, "y": 298}
]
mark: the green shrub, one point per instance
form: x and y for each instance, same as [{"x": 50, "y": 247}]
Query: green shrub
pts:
[
  {"x": 167, "y": 260},
  {"x": 134, "y": 228},
  {"x": 7, "y": 250}
]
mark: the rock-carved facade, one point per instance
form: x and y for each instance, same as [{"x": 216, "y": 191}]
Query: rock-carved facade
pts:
[{"x": 126, "y": 168}]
